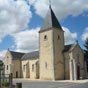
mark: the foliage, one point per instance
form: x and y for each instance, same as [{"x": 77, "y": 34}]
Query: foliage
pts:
[
  {"x": 86, "y": 50},
  {"x": 1, "y": 63},
  {"x": 6, "y": 84}
]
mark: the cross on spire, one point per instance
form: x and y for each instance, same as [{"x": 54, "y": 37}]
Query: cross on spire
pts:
[{"x": 50, "y": 3}]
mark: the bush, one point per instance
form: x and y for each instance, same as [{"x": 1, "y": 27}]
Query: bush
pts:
[{"x": 6, "y": 84}]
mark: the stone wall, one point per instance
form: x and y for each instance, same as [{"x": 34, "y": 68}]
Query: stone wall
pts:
[
  {"x": 8, "y": 62},
  {"x": 16, "y": 68},
  {"x": 58, "y": 47},
  {"x": 46, "y": 55},
  {"x": 30, "y": 68},
  {"x": 67, "y": 68},
  {"x": 79, "y": 58}
]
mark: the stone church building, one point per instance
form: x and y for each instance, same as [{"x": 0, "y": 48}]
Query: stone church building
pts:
[{"x": 53, "y": 61}]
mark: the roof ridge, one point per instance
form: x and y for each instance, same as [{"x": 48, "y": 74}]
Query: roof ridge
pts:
[
  {"x": 16, "y": 51},
  {"x": 33, "y": 51}
]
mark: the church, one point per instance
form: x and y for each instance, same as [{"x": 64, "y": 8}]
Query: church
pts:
[{"x": 53, "y": 61}]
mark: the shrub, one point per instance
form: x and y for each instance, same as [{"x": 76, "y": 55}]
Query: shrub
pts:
[{"x": 6, "y": 84}]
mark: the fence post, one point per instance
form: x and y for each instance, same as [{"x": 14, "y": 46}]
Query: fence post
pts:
[
  {"x": 0, "y": 78},
  {"x": 18, "y": 85},
  {"x": 10, "y": 80}
]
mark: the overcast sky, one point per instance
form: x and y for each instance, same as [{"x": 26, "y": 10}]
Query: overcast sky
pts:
[{"x": 20, "y": 21}]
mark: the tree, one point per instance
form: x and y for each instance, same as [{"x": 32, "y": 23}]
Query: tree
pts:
[
  {"x": 1, "y": 68},
  {"x": 86, "y": 52},
  {"x": 1, "y": 63}
]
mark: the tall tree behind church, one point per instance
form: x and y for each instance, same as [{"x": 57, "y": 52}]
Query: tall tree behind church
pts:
[{"x": 86, "y": 52}]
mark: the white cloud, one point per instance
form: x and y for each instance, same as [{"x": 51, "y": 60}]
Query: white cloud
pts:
[
  {"x": 2, "y": 54},
  {"x": 69, "y": 37},
  {"x": 62, "y": 8},
  {"x": 85, "y": 34},
  {"x": 31, "y": 2},
  {"x": 27, "y": 40},
  {"x": 14, "y": 16}
]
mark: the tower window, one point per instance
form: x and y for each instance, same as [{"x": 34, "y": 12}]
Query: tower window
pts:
[
  {"x": 58, "y": 37},
  {"x": 45, "y": 37}
]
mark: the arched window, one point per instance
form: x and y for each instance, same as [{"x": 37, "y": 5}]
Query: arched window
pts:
[
  {"x": 45, "y": 37},
  {"x": 46, "y": 65},
  {"x": 7, "y": 67},
  {"x": 23, "y": 67},
  {"x": 58, "y": 37},
  {"x": 33, "y": 68},
  {"x": 77, "y": 58}
]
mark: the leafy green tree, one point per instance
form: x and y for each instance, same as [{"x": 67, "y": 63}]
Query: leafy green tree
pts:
[
  {"x": 1, "y": 63},
  {"x": 1, "y": 68},
  {"x": 86, "y": 52}
]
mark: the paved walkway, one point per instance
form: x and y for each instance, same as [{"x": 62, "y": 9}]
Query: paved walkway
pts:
[
  {"x": 38, "y": 80},
  {"x": 27, "y": 83}
]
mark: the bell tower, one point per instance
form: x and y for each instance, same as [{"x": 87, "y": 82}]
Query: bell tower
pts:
[{"x": 51, "y": 42}]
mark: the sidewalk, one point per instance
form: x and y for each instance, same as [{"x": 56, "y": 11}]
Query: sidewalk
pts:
[
  {"x": 37, "y": 83},
  {"x": 39, "y": 80}
]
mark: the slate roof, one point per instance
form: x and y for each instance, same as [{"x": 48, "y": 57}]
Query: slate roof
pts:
[
  {"x": 50, "y": 21},
  {"x": 68, "y": 47},
  {"x": 35, "y": 54},
  {"x": 31, "y": 55},
  {"x": 16, "y": 55}
]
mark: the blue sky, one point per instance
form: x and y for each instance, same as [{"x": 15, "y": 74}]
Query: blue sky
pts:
[{"x": 20, "y": 21}]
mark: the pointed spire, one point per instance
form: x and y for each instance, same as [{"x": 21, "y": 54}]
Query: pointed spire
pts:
[
  {"x": 50, "y": 21},
  {"x": 76, "y": 42},
  {"x": 50, "y": 3},
  {"x": 8, "y": 49}
]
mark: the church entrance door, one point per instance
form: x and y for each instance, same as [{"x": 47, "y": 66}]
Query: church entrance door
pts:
[
  {"x": 16, "y": 74},
  {"x": 78, "y": 72}
]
